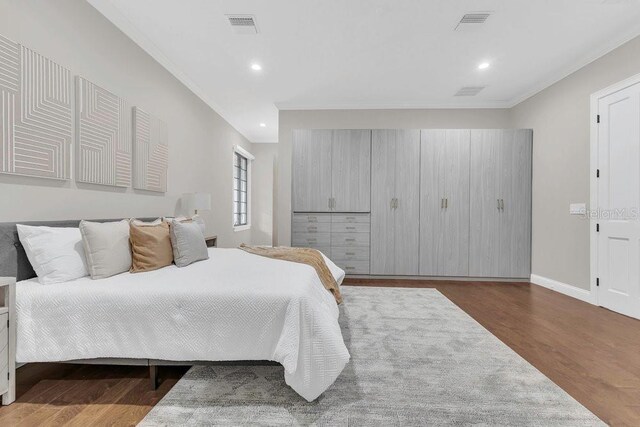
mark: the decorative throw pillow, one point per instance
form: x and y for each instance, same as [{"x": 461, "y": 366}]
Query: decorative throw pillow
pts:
[
  {"x": 196, "y": 218},
  {"x": 150, "y": 245},
  {"x": 55, "y": 253},
  {"x": 188, "y": 243},
  {"x": 106, "y": 245}
]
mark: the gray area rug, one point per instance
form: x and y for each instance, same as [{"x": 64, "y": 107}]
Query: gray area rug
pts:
[{"x": 416, "y": 359}]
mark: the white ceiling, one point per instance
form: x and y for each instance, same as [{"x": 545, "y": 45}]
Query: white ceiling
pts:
[{"x": 320, "y": 54}]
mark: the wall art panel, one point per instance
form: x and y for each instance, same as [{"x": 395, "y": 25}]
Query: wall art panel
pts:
[
  {"x": 35, "y": 114},
  {"x": 104, "y": 136},
  {"x": 150, "y": 152}
]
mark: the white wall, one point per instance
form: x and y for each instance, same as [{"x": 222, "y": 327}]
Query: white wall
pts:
[
  {"x": 75, "y": 35},
  {"x": 560, "y": 119},
  {"x": 363, "y": 119}
]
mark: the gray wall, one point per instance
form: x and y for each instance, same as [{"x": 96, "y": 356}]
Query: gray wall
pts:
[
  {"x": 363, "y": 119},
  {"x": 77, "y": 36},
  {"x": 560, "y": 119},
  {"x": 264, "y": 173}
]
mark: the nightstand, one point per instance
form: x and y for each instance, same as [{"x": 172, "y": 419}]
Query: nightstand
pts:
[
  {"x": 8, "y": 341},
  {"x": 212, "y": 241}
]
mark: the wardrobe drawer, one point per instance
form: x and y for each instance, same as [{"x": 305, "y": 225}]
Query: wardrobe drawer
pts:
[
  {"x": 311, "y": 227},
  {"x": 315, "y": 240},
  {"x": 344, "y": 253},
  {"x": 350, "y": 227},
  {"x": 366, "y": 218},
  {"x": 320, "y": 217},
  {"x": 355, "y": 267},
  {"x": 349, "y": 239}
]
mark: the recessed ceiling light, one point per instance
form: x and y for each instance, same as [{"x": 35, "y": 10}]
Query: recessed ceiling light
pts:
[
  {"x": 263, "y": 125},
  {"x": 483, "y": 66},
  {"x": 256, "y": 67}
]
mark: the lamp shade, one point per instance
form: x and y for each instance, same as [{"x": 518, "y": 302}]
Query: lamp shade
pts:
[{"x": 197, "y": 201}]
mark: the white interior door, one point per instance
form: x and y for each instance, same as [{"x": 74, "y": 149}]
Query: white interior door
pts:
[{"x": 618, "y": 252}]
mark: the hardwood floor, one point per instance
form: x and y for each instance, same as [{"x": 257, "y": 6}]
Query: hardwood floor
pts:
[{"x": 590, "y": 352}]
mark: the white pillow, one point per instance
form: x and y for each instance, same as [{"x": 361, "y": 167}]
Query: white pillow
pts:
[
  {"x": 55, "y": 253},
  {"x": 107, "y": 247}
]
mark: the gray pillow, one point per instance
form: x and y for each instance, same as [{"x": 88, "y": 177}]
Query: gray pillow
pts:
[
  {"x": 188, "y": 243},
  {"x": 106, "y": 246}
]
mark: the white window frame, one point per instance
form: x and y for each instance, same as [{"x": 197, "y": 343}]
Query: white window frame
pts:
[{"x": 250, "y": 158}]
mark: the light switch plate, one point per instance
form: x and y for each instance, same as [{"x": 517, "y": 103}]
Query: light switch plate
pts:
[{"x": 578, "y": 208}]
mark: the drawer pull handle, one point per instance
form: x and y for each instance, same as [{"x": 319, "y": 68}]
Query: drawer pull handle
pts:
[
  {"x": 349, "y": 268},
  {"x": 312, "y": 240},
  {"x": 313, "y": 218},
  {"x": 312, "y": 228},
  {"x": 351, "y": 217},
  {"x": 350, "y": 253},
  {"x": 351, "y": 228},
  {"x": 350, "y": 240}
]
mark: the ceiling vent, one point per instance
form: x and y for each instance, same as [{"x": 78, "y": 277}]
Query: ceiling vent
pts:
[
  {"x": 243, "y": 24},
  {"x": 469, "y": 91},
  {"x": 472, "y": 20}
]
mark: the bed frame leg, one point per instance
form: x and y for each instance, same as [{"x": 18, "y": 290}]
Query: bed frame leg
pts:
[{"x": 153, "y": 376}]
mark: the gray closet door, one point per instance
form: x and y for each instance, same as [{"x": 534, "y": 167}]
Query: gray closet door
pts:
[
  {"x": 444, "y": 202},
  {"x": 311, "y": 170},
  {"x": 500, "y": 234},
  {"x": 485, "y": 177},
  {"x": 407, "y": 194},
  {"x": 432, "y": 171},
  {"x": 351, "y": 170},
  {"x": 516, "y": 195},
  {"x": 383, "y": 176},
  {"x": 455, "y": 260}
]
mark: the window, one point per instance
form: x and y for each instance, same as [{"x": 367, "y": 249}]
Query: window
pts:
[{"x": 241, "y": 188}]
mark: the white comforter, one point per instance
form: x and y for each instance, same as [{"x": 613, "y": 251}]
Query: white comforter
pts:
[{"x": 234, "y": 306}]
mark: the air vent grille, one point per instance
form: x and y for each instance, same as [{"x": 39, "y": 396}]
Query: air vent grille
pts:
[
  {"x": 243, "y": 24},
  {"x": 469, "y": 91},
  {"x": 474, "y": 18},
  {"x": 472, "y": 21}
]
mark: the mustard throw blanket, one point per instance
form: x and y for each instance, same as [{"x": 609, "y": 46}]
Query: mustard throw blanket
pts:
[{"x": 307, "y": 256}]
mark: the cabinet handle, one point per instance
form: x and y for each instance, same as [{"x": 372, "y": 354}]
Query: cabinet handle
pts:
[
  {"x": 441, "y": 203},
  {"x": 397, "y": 203},
  {"x": 349, "y": 240},
  {"x": 350, "y": 217},
  {"x": 329, "y": 205},
  {"x": 446, "y": 203},
  {"x": 349, "y": 253},
  {"x": 502, "y": 204},
  {"x": 350, "y": 228},
  {"x": 498, "y": 203}
]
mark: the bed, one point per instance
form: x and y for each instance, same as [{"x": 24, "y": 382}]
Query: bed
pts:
[{"x": 235, "y": 306}]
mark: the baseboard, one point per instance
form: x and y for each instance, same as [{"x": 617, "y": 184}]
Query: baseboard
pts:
[{"x": 563, "y": 288}]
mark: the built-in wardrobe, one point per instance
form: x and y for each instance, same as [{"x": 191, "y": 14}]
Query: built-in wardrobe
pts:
[{"x": 435, "y": 202}]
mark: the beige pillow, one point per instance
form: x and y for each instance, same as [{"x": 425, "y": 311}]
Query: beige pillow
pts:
[
  {"x": 106, "y": 246},
  {"x": 150, "y": 246}
]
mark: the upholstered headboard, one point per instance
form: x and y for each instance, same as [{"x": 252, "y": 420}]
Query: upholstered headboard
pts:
[{"x": 13, "y": 260}]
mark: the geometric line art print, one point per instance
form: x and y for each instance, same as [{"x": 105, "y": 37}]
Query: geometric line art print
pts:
[
  {"x": 36, "y": 127},
  {"x": 104, "y": 130},
  {"x": 150, "y": 152}
]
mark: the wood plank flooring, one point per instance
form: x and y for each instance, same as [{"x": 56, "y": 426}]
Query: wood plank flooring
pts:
[{"x": 590, "y": 352}]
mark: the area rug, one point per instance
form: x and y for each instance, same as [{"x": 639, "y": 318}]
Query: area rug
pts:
[{"x": 416, "y": 359}]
